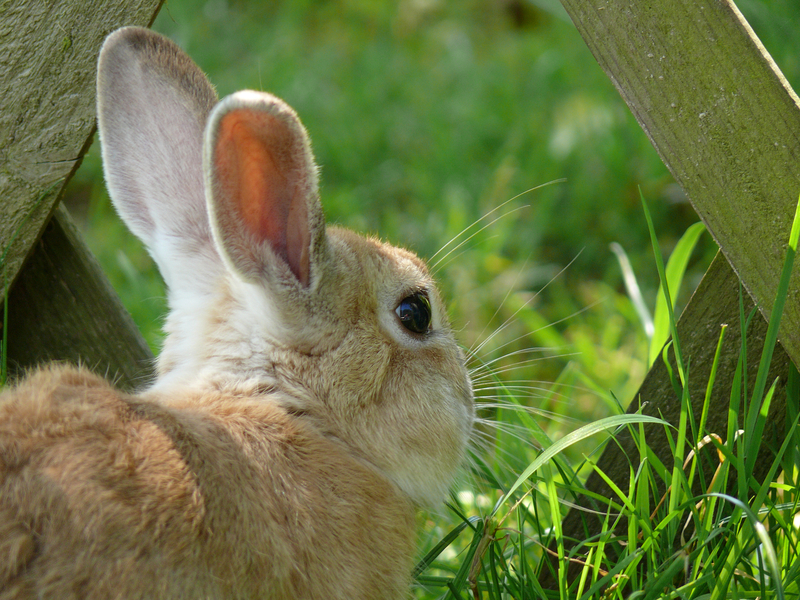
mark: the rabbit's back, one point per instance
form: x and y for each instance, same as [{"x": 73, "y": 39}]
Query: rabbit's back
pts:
[{"x": 107, "y": 495}]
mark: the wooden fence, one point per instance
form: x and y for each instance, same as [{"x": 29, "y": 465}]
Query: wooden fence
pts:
[{"x": 60, "y": 305}]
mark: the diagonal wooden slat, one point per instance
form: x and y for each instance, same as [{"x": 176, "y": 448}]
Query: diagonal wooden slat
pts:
[
  {"x": 61, "y": 307},
  {"x": 723, "y": 119},
  {"x": 48, "y": 58}
]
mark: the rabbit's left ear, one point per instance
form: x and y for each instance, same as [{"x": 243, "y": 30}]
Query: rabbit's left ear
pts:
[
  {"x": 153, "y": 103},
  {"x": 261, "y": 188}
]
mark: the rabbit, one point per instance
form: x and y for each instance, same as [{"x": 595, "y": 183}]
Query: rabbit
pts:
[{"x": 309, "y": 397}]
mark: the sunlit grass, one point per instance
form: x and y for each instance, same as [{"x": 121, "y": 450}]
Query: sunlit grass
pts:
[{"x": 675, "y": 544}]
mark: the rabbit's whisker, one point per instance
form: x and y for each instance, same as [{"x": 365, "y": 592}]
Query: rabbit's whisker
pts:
[{"x": 486, "y": 216}]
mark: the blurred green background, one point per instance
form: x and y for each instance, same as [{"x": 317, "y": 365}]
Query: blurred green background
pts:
[{"x": 425, "y": 115}]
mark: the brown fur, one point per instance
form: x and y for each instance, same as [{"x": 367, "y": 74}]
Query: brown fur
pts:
[{"x": 106, "y": 495}]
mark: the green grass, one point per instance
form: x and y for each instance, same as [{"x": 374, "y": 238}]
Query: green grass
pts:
[
  {"x": 425, "y": 116},
  {"x": 676, "y": 544}
]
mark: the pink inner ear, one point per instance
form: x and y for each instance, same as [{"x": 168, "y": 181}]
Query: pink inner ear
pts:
[{"x": 258, "y": 168}]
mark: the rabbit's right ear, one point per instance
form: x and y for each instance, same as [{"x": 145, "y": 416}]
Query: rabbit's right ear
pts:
[
  {"x": 153, "y": 103},
  {"x": 262, "y": 190}
]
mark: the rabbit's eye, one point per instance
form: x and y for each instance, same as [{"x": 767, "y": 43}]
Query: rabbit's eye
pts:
[{"x": 414, "y": 312}]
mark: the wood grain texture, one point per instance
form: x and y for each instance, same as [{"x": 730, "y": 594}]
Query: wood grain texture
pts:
[
  {"x": 62, "y": 308},
  {"x": 723, "y": 119},
  {"x": 48, "y": 58}
]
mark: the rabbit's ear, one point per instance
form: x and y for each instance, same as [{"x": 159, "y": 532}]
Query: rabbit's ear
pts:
[
  {"x": 153, "y": 103},
  {"x": 262, "y": 190}
]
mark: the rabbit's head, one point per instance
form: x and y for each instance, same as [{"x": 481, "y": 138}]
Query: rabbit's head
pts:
[{"x": 344, "y": 331}]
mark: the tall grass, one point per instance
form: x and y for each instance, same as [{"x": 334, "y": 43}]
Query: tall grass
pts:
[{"x": 709, "y": 545}]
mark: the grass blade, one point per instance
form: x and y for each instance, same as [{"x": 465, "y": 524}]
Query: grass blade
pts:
[
  {"x": 676, "y": 268},
  {"x": 676, "y": 347},
  {"x": 572, "y": 438},
  {"x": 772, "y": 334}
]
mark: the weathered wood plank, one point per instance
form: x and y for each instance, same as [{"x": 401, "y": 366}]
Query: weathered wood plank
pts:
[
  {"x": 62, "y": 308},
  {"x": 723, "y": 118},
  {"x": 48, "y": 60}
]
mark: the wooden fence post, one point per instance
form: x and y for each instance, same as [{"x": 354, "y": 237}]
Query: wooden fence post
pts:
[{"x": 47, "y": 121}]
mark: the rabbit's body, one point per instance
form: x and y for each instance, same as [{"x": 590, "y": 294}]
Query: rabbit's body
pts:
[
  {"x": 309, "y": 395},
  {"x": 209, "y": 495}
]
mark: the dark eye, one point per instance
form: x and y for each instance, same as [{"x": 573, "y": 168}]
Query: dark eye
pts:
[{"x": 415, "y": 313}]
